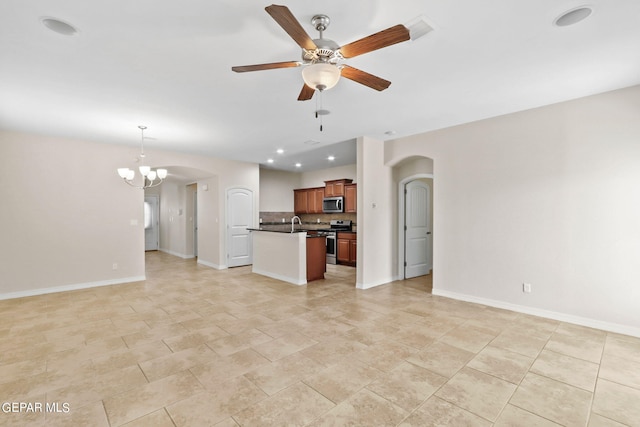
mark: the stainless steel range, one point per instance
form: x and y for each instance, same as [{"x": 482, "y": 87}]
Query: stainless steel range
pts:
[{"x": 332, "y": 247}]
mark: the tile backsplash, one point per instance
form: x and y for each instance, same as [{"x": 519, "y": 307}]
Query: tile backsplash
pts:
[{"x": 309, "y": 219}]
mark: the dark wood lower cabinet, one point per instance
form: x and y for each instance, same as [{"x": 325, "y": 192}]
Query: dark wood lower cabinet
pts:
[
  {"x": 316, "y": 258},
  {"x": 347, "y": 248}
]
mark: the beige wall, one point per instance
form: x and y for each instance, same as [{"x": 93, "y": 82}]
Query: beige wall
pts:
[
  {"x": 276, "y": 187},
  {"x": 276, "y": 190},
  {"x": 66, "y": 216},
  {"x": 547, "y": 196},
  {"x": 69, "y": 217},
  {"x": 317, "y": 178},
  {"x": 375, "y": 212}
]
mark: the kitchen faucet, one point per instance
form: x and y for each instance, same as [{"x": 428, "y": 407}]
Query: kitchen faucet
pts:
[{"x": 293, "y": 221}]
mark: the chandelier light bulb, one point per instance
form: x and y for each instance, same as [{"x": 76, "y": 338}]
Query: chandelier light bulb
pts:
[{"x": 148, "y": 175}]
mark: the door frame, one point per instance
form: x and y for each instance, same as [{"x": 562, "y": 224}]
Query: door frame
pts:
[
  {"x": 155, "y": 216},
  {"x": 401, "y": 219}
]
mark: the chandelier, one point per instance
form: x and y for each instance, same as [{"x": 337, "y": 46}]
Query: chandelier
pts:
[{"x": 148, "y": 176}]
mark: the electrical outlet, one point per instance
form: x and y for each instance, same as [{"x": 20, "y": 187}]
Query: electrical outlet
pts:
[
  {"x": 115, "y": 266},
  {"x": 526, "y": 288}
]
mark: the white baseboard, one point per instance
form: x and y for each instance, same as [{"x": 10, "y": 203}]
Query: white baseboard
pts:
[
  {"x": 287, "y": 279},
  {"x": 563, "y": 317},
  {"x": 75, "y": 287},
  {"x": 212, "y": 265},
  {"x": 183, "y": 256},
  {"x": 374, "y": 284}
]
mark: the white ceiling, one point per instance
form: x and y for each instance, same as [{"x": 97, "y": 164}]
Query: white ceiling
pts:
[{"x": 167, "y": 65}]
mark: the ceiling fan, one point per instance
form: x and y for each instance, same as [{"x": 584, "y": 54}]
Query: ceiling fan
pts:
[{"x": 322, "y": 57}]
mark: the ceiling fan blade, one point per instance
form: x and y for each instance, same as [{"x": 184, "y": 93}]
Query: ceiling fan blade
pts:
[
  {"x": 306, "y": 93},
  {"x": 390, "y": 36},
  {"x": 359, "y": 76},
  {"x": 269, "y": 66},
  {"x": 283, "y": 16}
]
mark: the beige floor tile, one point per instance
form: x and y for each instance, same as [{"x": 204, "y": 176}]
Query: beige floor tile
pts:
[
  {"x": 587, "y": 346},
  {"x": 407, "y": 385},
  {"x": 384, "y": 355},
  {"x": 622, "y": 346},
  {"x": 154, "y": 334},
  {"x": 195, "y": 338},
  {"x": 122, "y": 358},
  {"x": 416, "y": 335},
  {"x": 211, "y": 407},
  {"x": 16, "y": 370},
  {"x": 529, "y": 344},
  {"x": 95, "y": 388},
  {"x": 278, "y": 375},
  {"x": 567, "y": 369},
  {"x": 553, "y": 400},
  {"x": 151, "y": 397},
  {"x": 332, "y": 351},
  {"x": 227, "y": 367},
  {"x": 467, "y": 338},
  {"x": 89, "y": 415},
  {"x": 441, "y": 358},
  {"x": 501, "y": 363},
  {"x": 284, "y": 346},
  {"x": 169, "y": 364},
  {"x": 159, "y": 418},
  {"x": 599, "y": 421},
  {"x": 341, "y": 380},
  {"x": 234, "y": 343},
  {"x": 436, "y": 412},
  {"x": 512, "y": 416},
  {"x": 477, "y": 392},
  {"x": 236, "y": 335},
  {"x": 362, "y": 409},
  {"x": 617, "y": 402},
  {"x": 296, "y": 405},
  {"x": 625, "y": 371}
]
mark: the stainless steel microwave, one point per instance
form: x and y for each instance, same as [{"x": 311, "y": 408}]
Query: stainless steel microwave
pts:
[{"x": 333, "y": 204}]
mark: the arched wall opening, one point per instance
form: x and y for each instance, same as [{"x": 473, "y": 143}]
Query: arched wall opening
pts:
[{"x": 407, "y": 170}]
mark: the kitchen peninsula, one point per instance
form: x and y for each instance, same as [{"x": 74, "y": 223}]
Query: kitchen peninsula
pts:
[{"x": 297, "y": 256}]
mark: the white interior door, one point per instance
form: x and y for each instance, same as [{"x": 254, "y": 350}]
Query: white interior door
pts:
[
  {"x": 151, "y": 224},
  {"x": 417, "y": 239},
  {"x": 239, "y": 217}
]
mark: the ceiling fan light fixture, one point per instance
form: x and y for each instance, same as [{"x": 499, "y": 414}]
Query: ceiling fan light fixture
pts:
[{"x": 321, "y": 76}]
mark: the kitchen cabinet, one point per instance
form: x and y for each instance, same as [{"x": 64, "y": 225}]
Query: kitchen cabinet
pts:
[
  {"x": 351, "y": 198},
  {"x": 347, "y": 248},
  {"x": 335, "y": 187},
  {"x": 314, "y": 202},
  {"x": 316, "y": 258},
  {"x": 308, "y": 200},
  {"x": 300, "y": 200}
]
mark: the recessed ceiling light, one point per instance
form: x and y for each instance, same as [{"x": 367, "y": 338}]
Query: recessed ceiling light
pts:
[
  {"x": 279, "y": 151},
  {"x": 573, "y": 16},
  {"x": 269, "y": 160},
  {"x": 59, "y": 26},
  {"x": 298, "y": 165},
  {"x": 331, "y": 158}
]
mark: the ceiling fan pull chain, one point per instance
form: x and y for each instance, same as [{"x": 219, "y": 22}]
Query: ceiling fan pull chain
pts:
[{"x": 319, "y": 110}]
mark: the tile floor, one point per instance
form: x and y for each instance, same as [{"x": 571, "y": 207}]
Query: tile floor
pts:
[{"x": 192, "y": 346}]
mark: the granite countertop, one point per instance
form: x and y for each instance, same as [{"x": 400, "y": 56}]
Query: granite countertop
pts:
[{"x": 286, "y": 228}]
